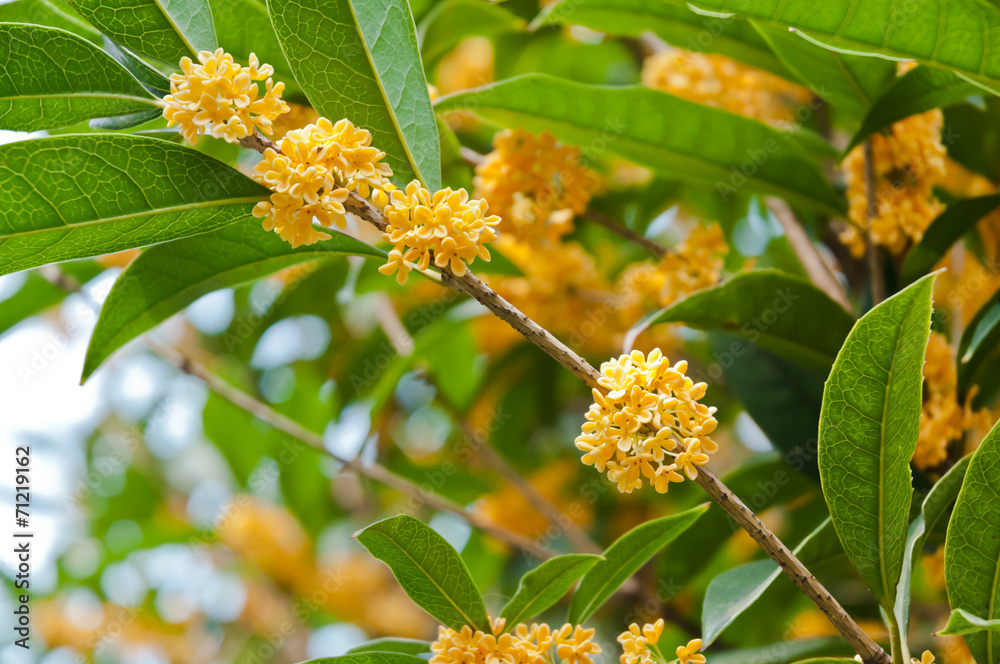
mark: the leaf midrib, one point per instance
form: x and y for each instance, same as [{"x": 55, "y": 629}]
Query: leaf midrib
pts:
[
  {"x": 177, "y": 30},
  {"x": 468, "y": 621},
  {"x": 607, "y": 582},
  {"x": 151, "y": 101},
  {"x": 146, "y": 213},
  {"x": 515, "y": 619}
]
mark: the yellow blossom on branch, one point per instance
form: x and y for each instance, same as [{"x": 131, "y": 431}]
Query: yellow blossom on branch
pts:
[
  {"x": 535, "y": 183},
  {"x": 524, "y": 645},
  {"x": 649, "y": 423},
  {"x": 446, "y": 227},
  {"x": 221, "y": 98},
  {"x": 312, "y": 173}
]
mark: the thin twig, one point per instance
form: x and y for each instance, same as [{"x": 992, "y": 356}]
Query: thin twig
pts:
[
  {"x": 875, "y": 263},
  {"x": 658, "y": 250},
  {"x": 871, "y": 652},
  {"x": 817, "y": 269},
  {"x": 295, "y": 430}
]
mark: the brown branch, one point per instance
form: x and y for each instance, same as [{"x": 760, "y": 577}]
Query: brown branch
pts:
[
  {"x": 817, "y": 269},
  {"x": 875, "y": 263},
  {"x": 871, "y": 652}
]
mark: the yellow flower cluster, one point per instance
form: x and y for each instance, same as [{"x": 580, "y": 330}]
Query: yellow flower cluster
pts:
[
  {"x": 692, "y": 265},
  {"x": 715, "y": 80},
  {"x": 907, "y": 161},
  {"x": 446, "y": 226},
  {"x": 525, "y": 645},
  {"x": 640, "y": 646},
  {"x": 926, "y": 658},
  {"x": 311, "y": 175},
  {"x": 648, "y": 424},
  {"x": 535, "y": 183},
  {"x": 221, "y": 98},
  {"x": 943, "y": 419}
]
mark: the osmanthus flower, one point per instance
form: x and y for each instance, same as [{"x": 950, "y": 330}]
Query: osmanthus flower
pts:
[
  {"x": 535, "y": 183},
  {"x": 220, "y": 97},
  {"x": 641, "y": 646},
  {"x": 312, "y": 173},
  {"x": 447, "y": 227},
  {"x": 647, "y": 423},
  {"x": 523, "y": 645},
  {"x": 926, "y": 658}
]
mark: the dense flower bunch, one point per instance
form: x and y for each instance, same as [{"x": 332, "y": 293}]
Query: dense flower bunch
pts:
[
  {"x": 447, "y": 227},
  {"x": 648, "y": 424},
  {"x": 692, "y": 265},
  {"x": 221, "y": 98},
  {"x": 535, "y": 183},
  {"x": 641, "y": 646},
  {"x": 312, "y": 173},
  {"x": 907, "y": 162},
  {"x": 943, "y": 419},
  {"x": 715, "y": 80},
  {"x": 525, "y": 645}
]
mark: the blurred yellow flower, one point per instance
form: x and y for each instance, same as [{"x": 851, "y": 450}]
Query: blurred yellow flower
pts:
[
  {"x": 447, "y": 227},
  {"x": 926, "y": 658},
  {"x": 648, "y": 424},
  {"x": 636, "y": 641},
  {"x": 689, "y": 653},
  {"x": 312, "y": 173},
  {"x": 575, "y": 644},
  {"x": 221, "y": 98}
]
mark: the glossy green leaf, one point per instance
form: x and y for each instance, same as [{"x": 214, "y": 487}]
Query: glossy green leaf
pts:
[
  {"x": 850, "y": 83},
  {"x": 785, "y": 652},
  {"x": 166, "y": 278},
  {"x": 45, "y": 12},
  {"x": 961, "y": 623},
  {"x": 624, "y": 558},
  {"x": 899, "y": 29},
  {"x": 674, "y": 136},
  {"x": 947, "y": 229},
  {"x": 244, "y": 28},
  {"x": 677, "y": 25},
  {"x": 451, "y": 21},
  {"x": 868, "y": 432},
  {"x": 543, "y": 586},
  {"x": 359, "y": 60},
  {"x": 429, "y": 570},
  {"x": 370, "y": 658},
  {"x": 393, "y": 644},
  {"x": 165, "y": 30},
  {"x": 935, "y": 505},
  {"x": 972, "y": 547},
  {"x": 919, "y": 90},
  {"x": 152, "y": 79},
  {"x": 110, "y": 192},
  {"x": 778, "y": 311},
  {"x": 979, "y": 343},
  {"x": 734, "y": 591},
  {"x": 38, "y": 91}
]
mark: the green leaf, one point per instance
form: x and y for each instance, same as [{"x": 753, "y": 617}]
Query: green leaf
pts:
[
  {"x": 393, "y": 644},
  {"x": 429, "y": 570},
  {"x": 921, "y": 31},
  {"x": 919, "y": 90},
  {"x": 934, "y": 507},
  {"x": 167, "y": 277},
  {"x": 44, "y": 12},
  {"x": 849, "y": 82},
  {"x": 359, "y": 60},
  {"x": 244, "y": 28},
  {"x": 868, "y": 432},
  {"x": 734, "y": 591},
  {"x": 38, "y": 91},
  {"x": 949, "y": 227},
  {"x": 979, "y": 343},
  {"x": 962, "y": 623},
  {"x": 784, "y": 652},
  {"x": 778, "y": 311},
  {"x": 449, "y": 22},
  {"x": 74, "y": 196},
  {"x": 543, "y": 586},
  {"x": 972, "y": 547},
  {"x": 678, "y": 25},
  {"x": 150, "y": 78},
  {"x": 677, "y": 137},
  {"x": 165, "y": 30},
  {"x": 370, "y": 658},
  {"x": 624, "y": 558}
]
